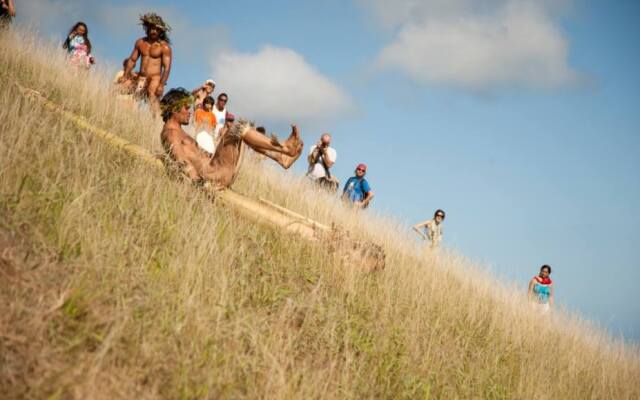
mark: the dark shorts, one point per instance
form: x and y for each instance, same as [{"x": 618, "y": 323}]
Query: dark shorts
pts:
[{"x": 5, "y": 19}]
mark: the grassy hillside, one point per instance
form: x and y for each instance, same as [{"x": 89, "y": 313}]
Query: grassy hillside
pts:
[{"x": 117, "y": 282}]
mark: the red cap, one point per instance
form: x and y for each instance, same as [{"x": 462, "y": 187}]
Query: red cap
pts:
[{"x": 362, "y": 166}]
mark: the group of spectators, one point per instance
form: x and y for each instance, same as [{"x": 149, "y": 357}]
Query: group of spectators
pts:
[
  {"x": 210, "y": 115},
  {"x": 321, "y": 159},
  {"x": 357, "y": 190},
  {"x": 211, "y": 120}
]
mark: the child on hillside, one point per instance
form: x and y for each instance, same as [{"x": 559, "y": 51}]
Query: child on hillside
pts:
[
  {"x": 78, "y": 45},
  {"x": 205, "y": 123}
]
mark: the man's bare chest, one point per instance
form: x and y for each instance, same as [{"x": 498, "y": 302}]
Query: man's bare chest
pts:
[{"x": 153, "y": 50}]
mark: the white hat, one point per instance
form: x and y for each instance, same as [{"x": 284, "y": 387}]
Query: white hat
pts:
[{"x": 210, "y": 82}]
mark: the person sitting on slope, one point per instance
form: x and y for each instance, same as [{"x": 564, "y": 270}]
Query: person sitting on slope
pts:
[{"x": 221, "y": 169}]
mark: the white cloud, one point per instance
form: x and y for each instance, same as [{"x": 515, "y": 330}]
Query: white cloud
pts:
[
  {"x": 277, "y": 84},
  {"x": 475, "y": 45}
]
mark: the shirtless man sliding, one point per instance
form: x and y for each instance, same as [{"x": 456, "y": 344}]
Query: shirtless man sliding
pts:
[
  {"x": 155, "y": 66},
  {"x": 222, "y": 168}
]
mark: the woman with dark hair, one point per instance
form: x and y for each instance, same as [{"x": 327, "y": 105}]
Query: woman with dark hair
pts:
[
  {"x": 78, "y": 46},
  {"x": 433, "y": 228},
  {"x": 541, "y": 290}
]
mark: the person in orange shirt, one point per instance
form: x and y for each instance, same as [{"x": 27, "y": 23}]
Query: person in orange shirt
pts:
[
  {"x": 204, "y": 117},
  {"x": 205, "y": 121}
]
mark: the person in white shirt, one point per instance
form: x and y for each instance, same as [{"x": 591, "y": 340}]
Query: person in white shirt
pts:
[
  {"x": 321, "y": 158},
  {"x": 220, "y": 111}
]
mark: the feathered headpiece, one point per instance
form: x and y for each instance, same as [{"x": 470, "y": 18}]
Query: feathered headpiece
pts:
[{"x": 155, "y": 20}]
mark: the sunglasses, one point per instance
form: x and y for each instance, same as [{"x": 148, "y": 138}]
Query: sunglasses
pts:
[
  {"x": 222, "y": 100},
  {"x": 360, "y": 169},
  {"x": 440, "y": 215}
]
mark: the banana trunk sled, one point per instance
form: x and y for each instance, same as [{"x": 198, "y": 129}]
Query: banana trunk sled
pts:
[{"x": 367, "y": 255}]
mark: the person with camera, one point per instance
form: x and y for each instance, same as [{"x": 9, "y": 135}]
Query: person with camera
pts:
[{"x": 321, "y": 158}]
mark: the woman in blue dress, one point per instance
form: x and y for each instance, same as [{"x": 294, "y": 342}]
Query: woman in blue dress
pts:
[{"x": 541, "y": 290}]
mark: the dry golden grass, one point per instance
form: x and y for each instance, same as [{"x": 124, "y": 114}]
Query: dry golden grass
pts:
[{"x": 116, "y": 282}]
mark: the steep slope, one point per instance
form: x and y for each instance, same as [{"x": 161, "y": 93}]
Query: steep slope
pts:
[{"x": 118, "y": 282}]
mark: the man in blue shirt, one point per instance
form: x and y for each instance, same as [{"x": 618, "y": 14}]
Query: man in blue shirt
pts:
[{"x": 357, "y": 189}]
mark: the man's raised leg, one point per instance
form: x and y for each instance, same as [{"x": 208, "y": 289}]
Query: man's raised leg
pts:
[{"x": 284, "y": 154}]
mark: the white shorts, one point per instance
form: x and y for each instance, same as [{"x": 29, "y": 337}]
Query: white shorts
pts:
[{"x": 205, "y": 142}]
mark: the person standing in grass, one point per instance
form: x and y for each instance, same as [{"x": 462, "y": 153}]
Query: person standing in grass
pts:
[
  {"x": 7, "y": 12},
  {"x": 433, "y": 228},
  {"x": 156, "y": 54},
  {"x": 541, "y": 290},
  {"x": 321, "y": 158},
  {"x": 220, "y": 111},
  {"x": 357, "y": 190},
  {"x": 78, "y": 45}
]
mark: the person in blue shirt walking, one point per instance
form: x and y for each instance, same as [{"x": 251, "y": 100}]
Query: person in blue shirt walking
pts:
[{"x": 357, "y": 190}]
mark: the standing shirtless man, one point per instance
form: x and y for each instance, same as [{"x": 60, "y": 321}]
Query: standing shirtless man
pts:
[
  {"x": 222, "y": 168},
  {"x": 155, "y": 66},
  {"x": 7, "y": 12}
]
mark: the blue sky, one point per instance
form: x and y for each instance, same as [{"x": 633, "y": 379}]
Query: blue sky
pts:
[{"x": 519, "y": 118}]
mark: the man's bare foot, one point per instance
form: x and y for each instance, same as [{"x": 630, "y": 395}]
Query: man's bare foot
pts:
[
  {"x": 292, "y": 147},
  {"x": 287, "y": 161}
]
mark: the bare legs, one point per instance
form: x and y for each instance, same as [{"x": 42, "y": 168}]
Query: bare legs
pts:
[
  {"x": 152, "y": 93},
  {"x": 284, "y": 154},
  {"x": 222, "y": 168}
]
